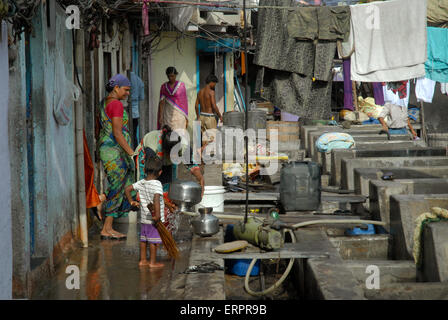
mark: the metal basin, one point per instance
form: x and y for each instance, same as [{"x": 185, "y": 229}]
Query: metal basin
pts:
[{"x": 185, "y": 194}]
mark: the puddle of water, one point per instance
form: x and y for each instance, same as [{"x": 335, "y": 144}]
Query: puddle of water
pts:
[{"x": 109, "y": 269}]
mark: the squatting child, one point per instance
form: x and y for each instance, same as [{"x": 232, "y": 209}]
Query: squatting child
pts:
[{"x": 151, "y": 194}]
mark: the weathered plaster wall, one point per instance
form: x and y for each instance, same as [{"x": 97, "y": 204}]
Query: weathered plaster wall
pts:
[
  {"x": 166, "y": 55},
  {"x": 435, "y": 113},
  {"x": 60, "y": 140},
  {"x": 54, "y": 154},
  {"x": 19, "y": 169},
  {"x": 5, "y": 173}
]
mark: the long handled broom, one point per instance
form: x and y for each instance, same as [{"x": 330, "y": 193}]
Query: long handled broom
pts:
[{"x": 167, "y": 239}]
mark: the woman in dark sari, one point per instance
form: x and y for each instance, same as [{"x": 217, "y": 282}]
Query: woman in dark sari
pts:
[{"x": 115, "y": 153}]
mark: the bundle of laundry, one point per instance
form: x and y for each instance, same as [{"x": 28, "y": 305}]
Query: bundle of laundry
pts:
[
  {"x": 354, "y": 116},
  {"x": 334, "y": 140},
  {"x": 389, "y": 41},
  {"x": 368, "y": 106}
]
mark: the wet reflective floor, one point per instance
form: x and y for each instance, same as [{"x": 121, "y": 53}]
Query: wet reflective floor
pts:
[{"x": 108, "y": 269}]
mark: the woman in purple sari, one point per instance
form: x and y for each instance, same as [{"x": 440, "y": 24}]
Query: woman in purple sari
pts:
[{"x": 173, "y": 105}]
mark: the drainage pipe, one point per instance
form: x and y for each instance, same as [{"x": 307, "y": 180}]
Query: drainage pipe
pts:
[{"x": 79, "y": 145}]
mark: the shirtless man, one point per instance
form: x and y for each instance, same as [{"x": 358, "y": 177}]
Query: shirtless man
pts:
[{"x": 209, "y": 110}]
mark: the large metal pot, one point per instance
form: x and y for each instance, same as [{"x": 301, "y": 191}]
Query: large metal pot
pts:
[
  {"x": 185, "y": 194},
  {"x": 205, "y": 224}
]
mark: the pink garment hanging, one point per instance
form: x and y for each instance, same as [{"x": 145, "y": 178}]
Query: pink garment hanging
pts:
[{"x": 145, "y": 18}]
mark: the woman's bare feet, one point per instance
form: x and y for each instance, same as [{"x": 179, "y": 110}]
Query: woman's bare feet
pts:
[
  {"x": 117, "y": 234},
  {"x": 100, "y": 206},
  {"x": 112, "y": 234},
  {"x": 156, "y": 265},
  {"x": 143, "y": 263}
]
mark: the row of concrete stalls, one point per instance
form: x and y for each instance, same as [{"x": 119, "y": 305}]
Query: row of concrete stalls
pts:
[
  {"x": 401, "y": 183},
  {"x": 57, "y": 73}
]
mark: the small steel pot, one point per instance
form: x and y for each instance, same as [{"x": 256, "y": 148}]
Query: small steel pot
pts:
[{"x": 205, "y": 224}]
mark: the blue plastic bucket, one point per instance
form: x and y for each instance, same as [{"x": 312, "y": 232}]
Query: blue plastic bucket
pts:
[
  {"x": 239, "y": 267},
  {"x": 359, "y": 231}
]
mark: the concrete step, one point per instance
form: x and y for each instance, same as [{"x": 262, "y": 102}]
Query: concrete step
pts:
[
  {"x": 409, "y": 291},
  {"x": 348, "y": 165},
  {"x": 390, "y": 271},
  {"x": 391, "y": 149},
  {"x": 363, "y": 176},
  {"x": 380, "y": 192},
  {"x": 325, "y": 278},
  {"x": 205, "y": 286},
  {"x": 361, "y": 139},
  {"x": 363, "y": 247}
]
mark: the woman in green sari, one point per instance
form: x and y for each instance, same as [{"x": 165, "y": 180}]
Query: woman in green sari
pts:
[{"x": 115, "y": 153}]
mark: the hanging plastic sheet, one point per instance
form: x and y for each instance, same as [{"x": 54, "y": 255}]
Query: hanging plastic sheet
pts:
[
  {"x": 179, "y": 15},
  {"x": 66, "y": 93}
]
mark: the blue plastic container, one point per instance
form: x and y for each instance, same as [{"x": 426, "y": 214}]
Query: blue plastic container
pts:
[
  {"x": 359, "y": 231},
  {"x": 239, "y": 267}
]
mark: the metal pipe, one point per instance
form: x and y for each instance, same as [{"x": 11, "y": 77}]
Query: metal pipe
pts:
[
  {"x": 182, "y": 4},
  {"x": 331, "y": 221},
  {"x": 79, "y": 145},
  {"x": 190, "y": 3},
  {"x": 246, "y": 99},
  {"x": 217, "y": 215}
]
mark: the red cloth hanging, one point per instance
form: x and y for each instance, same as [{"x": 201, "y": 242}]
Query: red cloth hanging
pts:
[{"x": 92, "y": 198}]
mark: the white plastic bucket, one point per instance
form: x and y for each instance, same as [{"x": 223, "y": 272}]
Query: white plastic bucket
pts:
[{"x": 213, "y": 197}]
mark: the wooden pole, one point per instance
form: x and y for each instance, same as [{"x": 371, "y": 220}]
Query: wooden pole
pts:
[
  {"x": 355, "y": 96},
  {"x": 422, "y": 122}
]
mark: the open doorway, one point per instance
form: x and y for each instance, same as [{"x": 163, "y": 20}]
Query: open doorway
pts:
[{"x": 210, "y": 63}]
